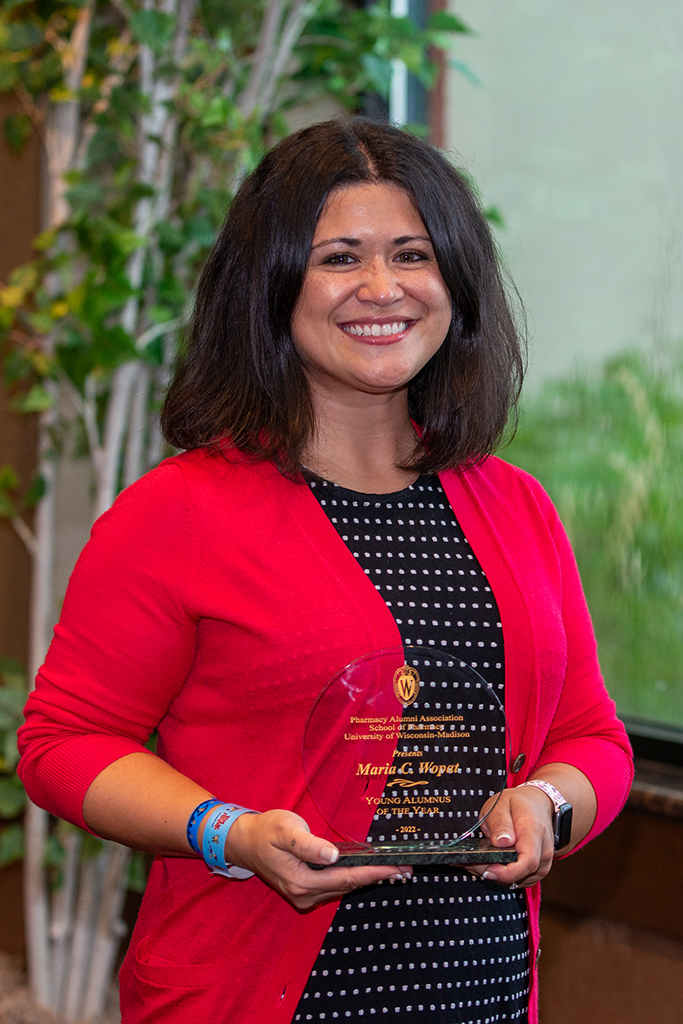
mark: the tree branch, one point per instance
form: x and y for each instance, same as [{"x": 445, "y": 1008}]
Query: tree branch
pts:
[
  {"x": 301, "y": 12},
  {"x": 121, "y": 62},
  {"x": 31, "y": 109},
  {"x": 114, "y": 430},
  {"x": 133, "y": 467},
  {"x": 63, "y": 120},
  {"x": 25, "y": 534},
  {"x": 263, "y": 56}
]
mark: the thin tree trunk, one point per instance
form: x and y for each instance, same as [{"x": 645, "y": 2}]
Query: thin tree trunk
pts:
[
  {"x": 63, "y": 127},
  {"x": 36, "y": 819},
  {"x": 134, "y": 462},
  {"x": 249, "y": 101},
  {"x": 63, "y": 900},
  {"x": 301, "y": 13},
  {"x": 61, "y": 139},
  {"x": 108, "y": 931},
  {"x": 114, "y": 432},
  {"x": 81, "y": 949}
]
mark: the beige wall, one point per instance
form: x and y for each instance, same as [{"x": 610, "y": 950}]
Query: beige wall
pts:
[{"x": 575, "y": 133}]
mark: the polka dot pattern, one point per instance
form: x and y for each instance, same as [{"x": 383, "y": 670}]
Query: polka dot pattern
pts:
[{"x": 445, "y": 948}]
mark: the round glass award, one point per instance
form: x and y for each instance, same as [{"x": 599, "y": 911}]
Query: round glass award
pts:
[{"x": 401, "y": 750}]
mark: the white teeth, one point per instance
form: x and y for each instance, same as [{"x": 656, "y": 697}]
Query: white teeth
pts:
[{"x": 375, "y": 330}]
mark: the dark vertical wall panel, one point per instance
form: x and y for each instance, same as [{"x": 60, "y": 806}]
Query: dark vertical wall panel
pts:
[{"x": 19, "y": 223}]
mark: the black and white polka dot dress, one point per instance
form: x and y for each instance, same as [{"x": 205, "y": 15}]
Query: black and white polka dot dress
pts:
[{"x": 445, "y": 948}]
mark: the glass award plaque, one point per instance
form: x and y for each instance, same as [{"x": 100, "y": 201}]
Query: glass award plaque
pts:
[{"x": 401, "y": 750}]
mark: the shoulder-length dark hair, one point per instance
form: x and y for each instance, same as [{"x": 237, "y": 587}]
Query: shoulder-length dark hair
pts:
[{"x": 240, "y": 378}]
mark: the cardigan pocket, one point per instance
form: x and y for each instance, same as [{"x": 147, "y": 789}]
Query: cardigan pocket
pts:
[{"x": 158, "y": 971}]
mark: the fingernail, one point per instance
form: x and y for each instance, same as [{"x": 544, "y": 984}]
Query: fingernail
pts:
[
  {"x": 330, "y": 853},
  {"x": 490, "y": 876},
  {"x": 396, "y": 878},
  {"x": 503, "y": 835}
]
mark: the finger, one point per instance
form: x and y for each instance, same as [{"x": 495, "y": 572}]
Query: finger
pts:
[
  {"x": 499, "y": 826},
  {"x": 534, "y": 860},
  {"x": 306, "y": 887},
  {"x": 334, "y": 883},
  {"x": 309, "y": 848}
]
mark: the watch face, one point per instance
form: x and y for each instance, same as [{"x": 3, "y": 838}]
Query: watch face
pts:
[{"x": 563, "y": 825}]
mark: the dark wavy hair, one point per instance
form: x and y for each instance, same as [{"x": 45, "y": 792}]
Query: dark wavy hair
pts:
[{"x": 240, "y": 379}]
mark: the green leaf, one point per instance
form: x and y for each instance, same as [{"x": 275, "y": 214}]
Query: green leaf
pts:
[
  {"x": 26, "y": 276},
  {"x": 420, "y": 131},
  {"x": 7, "y": 507},
  {"x": 41, "y": 322},
  {"x": 11, "y": 844},
  {"x": 53, "y": 853},
  {"x": 495, "y": 217},
  {"x": 411, "y": 53},
  {"x": 35, "y": 492},
  {"x": 10, "y": 751},
  {"x": 9, "y": 75},
  {"x": 45, "y": 240},
  {"x": 11, "y": 709},
  {"x": 171, "y": 238},
  {"x": 378, "y": 72},
  {"x": 201, "y": 230},
  {"x": 153, "y": 28},
  {"x": 7, "y": 317},
  {"x": 466, "y": 70},
  {"x": 10, "y": 5},
  {"x": 37, "y": 400},
  {"x": 17, "y": 129},
  {"x": 9, "y": 481},
  {"x": 443, "y": 21},
  {"x": 137, "y": 872},
  {"x": 12, "y": 797},
  {"x": 127, "y": 241},
  {"x": 92, "y": 846},
  {"x": 13, "y": 675},
  {"x": 12, "y": 700},
  {"x": 85, "y": 193}
]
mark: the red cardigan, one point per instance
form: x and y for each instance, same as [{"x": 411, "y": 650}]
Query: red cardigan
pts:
[{"x": 212, "y": 602}]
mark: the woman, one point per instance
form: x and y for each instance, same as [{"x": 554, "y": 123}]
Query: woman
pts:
[{"x": 351, "y": 340}]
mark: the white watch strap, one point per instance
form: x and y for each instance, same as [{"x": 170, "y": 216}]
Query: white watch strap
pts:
[{"x": 550, "y": 791}]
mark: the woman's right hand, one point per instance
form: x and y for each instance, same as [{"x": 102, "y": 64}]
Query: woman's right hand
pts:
[
  {"x": 142, "y": 802},
  {"x": 277, "y": 845}
]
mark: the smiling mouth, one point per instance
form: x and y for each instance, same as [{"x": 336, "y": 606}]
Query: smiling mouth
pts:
[{"x": 377, "y": 330}]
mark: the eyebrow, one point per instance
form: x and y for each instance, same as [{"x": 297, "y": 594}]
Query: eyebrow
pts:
[{"x": 354, "y": 243}]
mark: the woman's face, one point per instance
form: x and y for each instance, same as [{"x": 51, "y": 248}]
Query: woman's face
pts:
[{"x": 374, "y": 308}]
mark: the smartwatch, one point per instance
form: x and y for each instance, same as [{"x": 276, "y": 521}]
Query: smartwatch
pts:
[{"x": 562, "y": 812}]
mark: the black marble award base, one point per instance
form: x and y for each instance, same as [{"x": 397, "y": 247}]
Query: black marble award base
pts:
[{"x": 465, "y": 851}]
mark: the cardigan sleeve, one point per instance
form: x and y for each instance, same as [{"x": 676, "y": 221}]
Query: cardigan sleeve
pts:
[
  {"x": 123, "y": 646},
  {"x": 585, "y": 731}
]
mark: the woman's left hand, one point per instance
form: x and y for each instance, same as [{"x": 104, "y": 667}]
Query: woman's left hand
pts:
[{"x": 523, "y": 819}]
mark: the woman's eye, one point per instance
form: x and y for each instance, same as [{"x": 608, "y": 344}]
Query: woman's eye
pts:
[
  {"x": 339, "y": 259},
  {"x": 410, "y": 256}
]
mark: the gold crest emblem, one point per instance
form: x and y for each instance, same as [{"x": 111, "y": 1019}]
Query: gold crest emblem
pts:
[{"x": 406, "y": 685}]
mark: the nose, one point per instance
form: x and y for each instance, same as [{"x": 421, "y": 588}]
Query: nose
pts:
[{"x": 380, "y": 284}]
